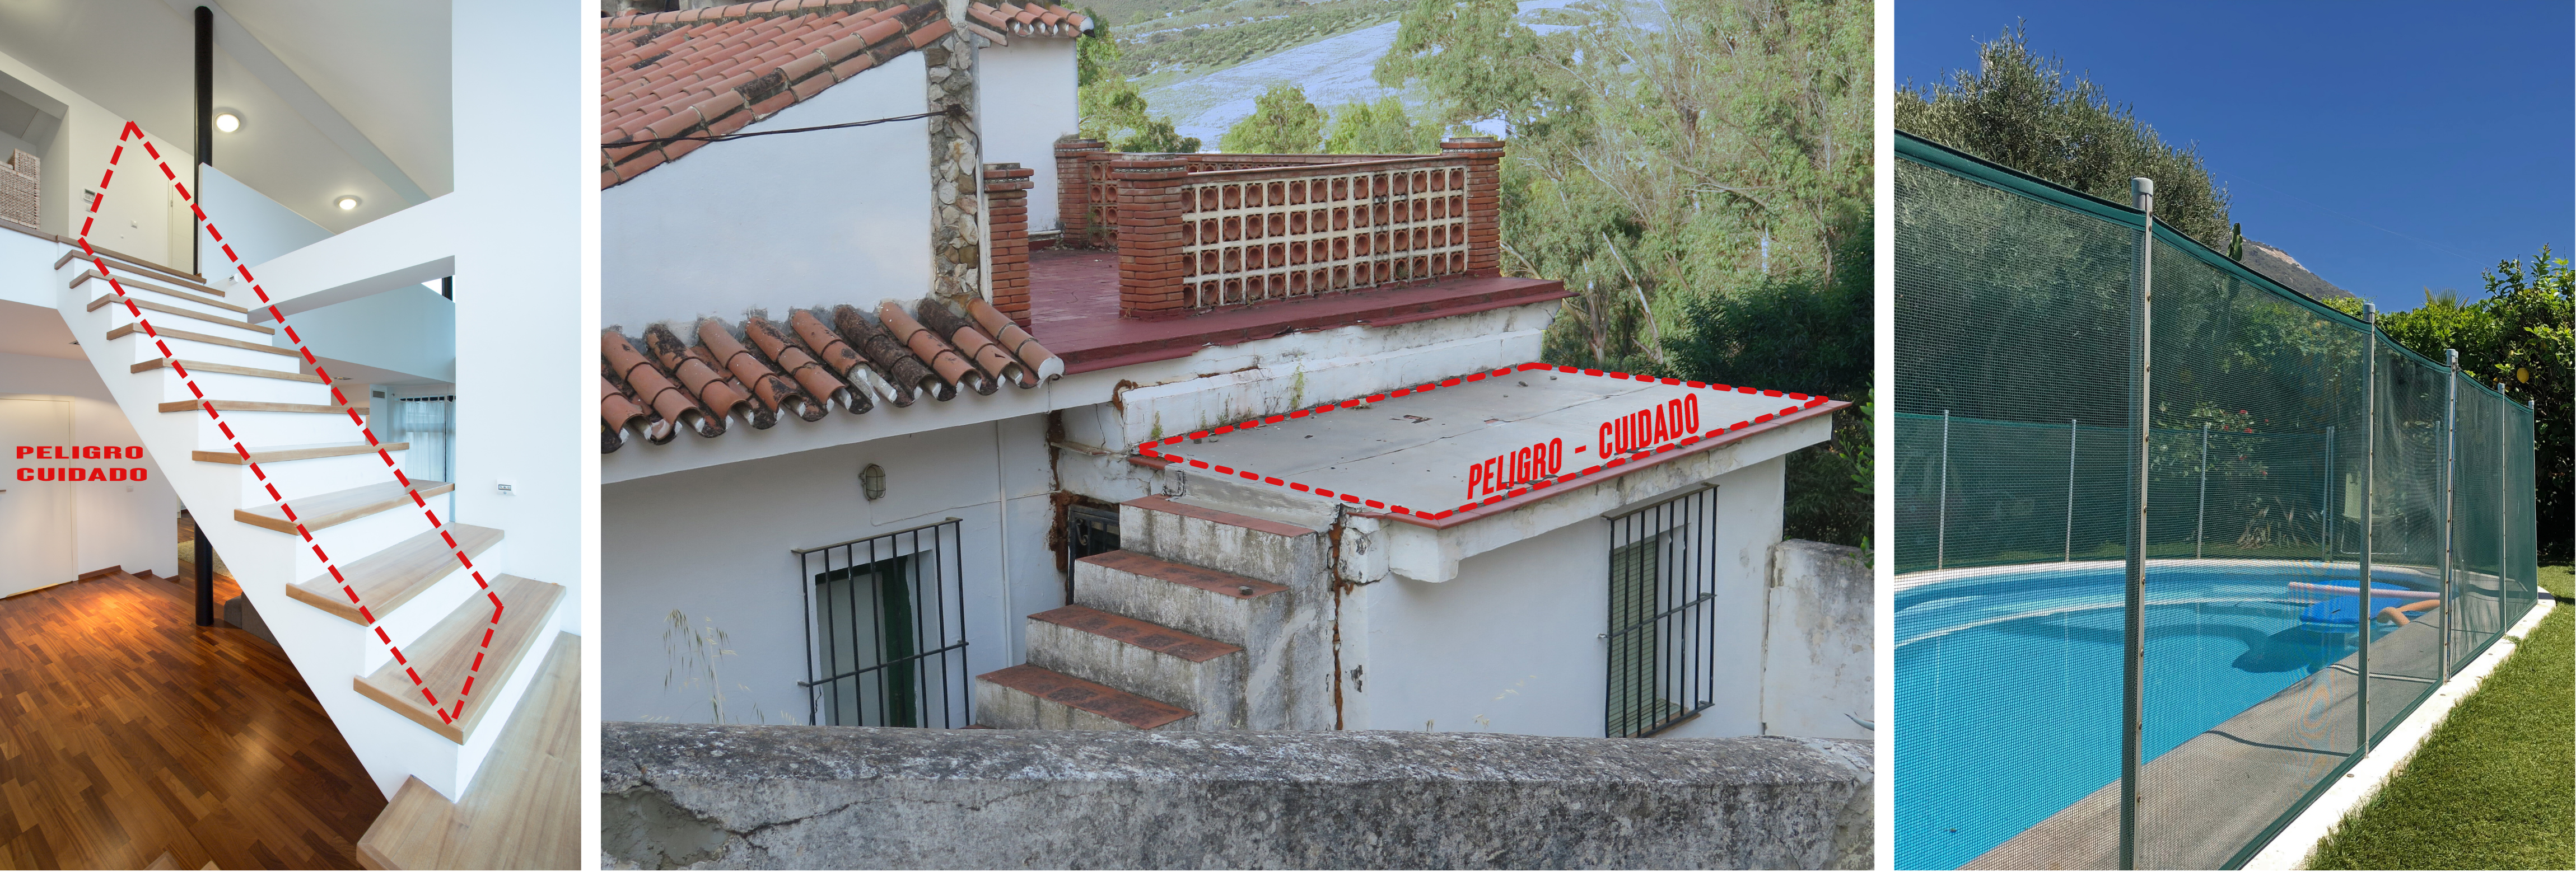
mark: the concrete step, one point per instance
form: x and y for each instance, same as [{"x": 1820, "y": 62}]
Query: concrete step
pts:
[
  {"x": 1273, "y": 551},
  {"x": 1221, "y": 606},
  {"x": 1026, "y": 697},
  {"x": 470, "y": 642},
  {"x": 1151, "y": 660}
]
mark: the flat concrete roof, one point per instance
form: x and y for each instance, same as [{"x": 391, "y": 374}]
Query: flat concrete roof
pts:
[{"x": 1434, "y": 451}]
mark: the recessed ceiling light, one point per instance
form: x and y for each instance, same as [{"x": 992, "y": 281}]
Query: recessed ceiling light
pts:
[
  {"x": 346, "y": 203},
  {"x": 227, "y": 121}
]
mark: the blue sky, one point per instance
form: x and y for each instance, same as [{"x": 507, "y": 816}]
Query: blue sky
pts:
[{"x": 2389, "y": 147}]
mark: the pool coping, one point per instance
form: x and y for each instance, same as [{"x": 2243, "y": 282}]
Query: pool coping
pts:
[
  {"x": 1913, "y": 580},
  {"x": 2296, "y": 844}
]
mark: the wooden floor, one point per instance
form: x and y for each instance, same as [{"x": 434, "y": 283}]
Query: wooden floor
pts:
[{"x": 126, "y": 731}]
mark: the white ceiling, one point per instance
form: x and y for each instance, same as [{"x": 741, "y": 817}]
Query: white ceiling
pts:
[{"x": 382, "y": 64}]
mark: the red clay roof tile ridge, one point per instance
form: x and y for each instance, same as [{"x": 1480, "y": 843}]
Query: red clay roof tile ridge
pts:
[
  {"x": 761, "y": 415},
  {"x": 845, "y": 357},
  {"x": 987, "y": 354},
  {"x": 1015, "y": 340},
  {"x": 881, "y": 348},
  {"x": 943, "y": 359},
  {"x": 699, "y": 378},
  {"x": 786, "y": 353},
  {"x": 659, "y": 390},
  {"x": 773, "y": 389}
]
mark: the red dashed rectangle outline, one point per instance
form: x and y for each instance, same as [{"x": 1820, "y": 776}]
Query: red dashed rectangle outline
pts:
[
  {"x": 1799, "y": 403},
  {"x": 133, "y": 131}
]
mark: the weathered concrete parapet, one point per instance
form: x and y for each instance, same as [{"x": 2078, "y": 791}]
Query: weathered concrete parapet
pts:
[
  {"x": 697, "y": 796},
  {"x": 1817, "y": 659}
]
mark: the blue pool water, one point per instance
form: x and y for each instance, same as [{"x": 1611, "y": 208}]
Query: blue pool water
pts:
[{"x": 2008, "y": 686}]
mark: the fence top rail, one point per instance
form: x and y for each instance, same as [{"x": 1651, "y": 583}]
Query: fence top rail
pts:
[
  {"x": 1925, "y": 152},
  {"x": 1263, "y": 174},
  {"x": 873, "y": 537}
]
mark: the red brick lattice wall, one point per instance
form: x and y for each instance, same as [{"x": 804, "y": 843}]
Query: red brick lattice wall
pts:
[{"x": 1006, "y": 203}]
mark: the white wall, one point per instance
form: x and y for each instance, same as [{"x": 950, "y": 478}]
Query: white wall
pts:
[
  {"x": 1514, "y": 644},
  {"x": 1026, "y": 97},
  {"x": 527, "y": 130},
  {"x": 136, "y": 217},
  {"x": 258, "y": 228},
  {"x": 133, "y": 525},
  {"x": 715, "y": 544},
  {"x": 799, "y": 219},
  {"x": 410, "y": 330}
]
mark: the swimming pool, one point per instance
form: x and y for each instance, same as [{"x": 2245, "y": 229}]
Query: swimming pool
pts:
[{"x": 2008, "y": 682}]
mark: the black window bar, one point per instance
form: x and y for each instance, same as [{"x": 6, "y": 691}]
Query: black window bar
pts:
[
  {"x": 1663, "y": 582},
  {"x": 1090, "y": 530},
  {"x": 885, "y": 628}
]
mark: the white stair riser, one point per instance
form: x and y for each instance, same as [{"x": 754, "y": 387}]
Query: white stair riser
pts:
[
  {"x": 249, "y": 388},
  {"x": 276, "y": 428},
  {"x": 1296, "y": 561},
  {"x": 1009, "y": 709},
  {"x": 225, "y": 325},
  {"x": 406, "y": 623},
  {"x": 137, "y": 347},
  {"x": 1212, "y": 688},
  {"x": 1222, "y": 617},
  {"x": 146, "y": 292},
  {"x": 319, "y": 475}
]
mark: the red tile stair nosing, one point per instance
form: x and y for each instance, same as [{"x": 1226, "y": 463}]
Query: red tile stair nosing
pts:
[
  {"x": 1203, "y": 578},
  {"x": 1103, "y": 700},
  {"x": 1142, "y": 634},
  {"x": 1167, "y": 505}
]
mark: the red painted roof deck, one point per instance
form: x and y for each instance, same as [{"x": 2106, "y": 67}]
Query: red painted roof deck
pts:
[{"x": 1073, "y": 309}]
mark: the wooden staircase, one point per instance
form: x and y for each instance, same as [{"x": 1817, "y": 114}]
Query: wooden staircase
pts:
[{"x": 422, "y": 657}]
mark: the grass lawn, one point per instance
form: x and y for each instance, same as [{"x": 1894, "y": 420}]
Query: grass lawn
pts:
[{"x": 2495, "y": 785}]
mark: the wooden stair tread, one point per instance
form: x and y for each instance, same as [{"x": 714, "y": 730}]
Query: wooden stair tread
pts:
[
  {"x": 338, "y": 507},
  {"x": 167, "y": 309},
  {"x": 1142, "y": 634},
  {"x": 229, "y": 369},
  {"x": 523, "y": 811},
  {"x": 259, "y": 406},
  {"x": 121, "y": 331},
  {"x": 146, "y": 268},
  {"x": 389, "y": 578},
  {"x": 1167, "y": 505},
  {"x": 147, "y": 283},
  {"x": 278, "y": 453},
  {"x": 1098, "y": 699},
  {"x": 1203, "y": 578},
  {"x": 445, "y": 655}
]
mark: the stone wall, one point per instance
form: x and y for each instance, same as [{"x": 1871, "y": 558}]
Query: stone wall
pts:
[
  {"x": 957, "y": 221},
  {"x": 697, "y": 796},
  {"x": 874, "y": 799}
]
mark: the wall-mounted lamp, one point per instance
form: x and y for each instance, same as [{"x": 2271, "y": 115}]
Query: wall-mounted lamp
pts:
[
  {"x": 346, "y": 203},
  {"x": 872, "y": 481},
  {"x": 228, "y": 121}
]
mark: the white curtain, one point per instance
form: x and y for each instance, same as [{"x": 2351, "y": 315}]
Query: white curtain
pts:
[{"x": 429, "y": 424}]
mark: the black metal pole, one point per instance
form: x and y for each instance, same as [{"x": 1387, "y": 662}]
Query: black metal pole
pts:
[
  {"x": 205, "y": 560},
  {"x": 205, "y": 125}
]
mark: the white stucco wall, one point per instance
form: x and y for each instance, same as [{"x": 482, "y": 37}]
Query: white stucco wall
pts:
[
  {"x": 800, "y": 219},
  {"x": 410, "y": 330},
  {"x": 716, "y": 545},
  {"x": 1514, "y": 644},
  {"x": 128, "y": 524},
  {"x": 1027, "y": 100},
  {"x": 258, "y": 228}
]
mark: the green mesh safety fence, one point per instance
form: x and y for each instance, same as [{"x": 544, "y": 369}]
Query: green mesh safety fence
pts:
[{"x": 2286, "y": 447}]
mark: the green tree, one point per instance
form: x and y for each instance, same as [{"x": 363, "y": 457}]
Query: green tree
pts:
[
  {"x": 2519, "y": 337},
  {"x": 1110, "y": 107},
  {"x": 1476, "y": 58},
  {"x": 1381, "y": 128},
  {"x": 2026, "y": 112},
  {"x": 1282, "y": 122}
]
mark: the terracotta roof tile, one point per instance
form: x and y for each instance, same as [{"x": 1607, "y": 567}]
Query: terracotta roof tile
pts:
[
  {"x": 762, "y": 369},
  {"x": 711, "y": 71}
]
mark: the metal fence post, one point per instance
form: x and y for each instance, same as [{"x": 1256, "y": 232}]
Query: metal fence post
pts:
[
  {"x": 2142, "y": 194},
  {"x": 2071, "y": 433},
  {"x": 1941, "y": 526},
  {"x": 2504, "y": 490},
  {"x": 2325, "y": 502},
  {"x": 2450, "y": 478},
  {"x": 2200, "y": 521},
  {"x": 2369, "y": 483}
]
